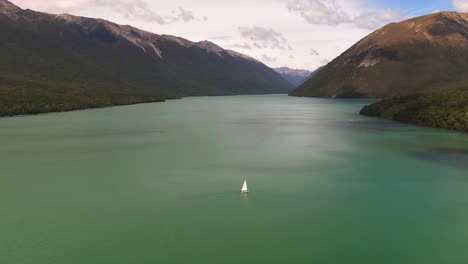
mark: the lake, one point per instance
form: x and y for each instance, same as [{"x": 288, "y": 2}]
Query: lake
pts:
[{"x": 160, "y": 183}]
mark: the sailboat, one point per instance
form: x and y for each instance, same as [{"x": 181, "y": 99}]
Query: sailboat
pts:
[{"x": 244, "y": 187}]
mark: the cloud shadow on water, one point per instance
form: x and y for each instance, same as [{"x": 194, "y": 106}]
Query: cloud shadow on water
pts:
[{"x": 453, "y": 157}]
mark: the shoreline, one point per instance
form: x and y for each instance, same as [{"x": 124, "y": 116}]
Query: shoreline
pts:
[
  {"x": 436, "y": 110},
  {"x": 84, "y": 109},
  {"x": 117, "y": 105}
]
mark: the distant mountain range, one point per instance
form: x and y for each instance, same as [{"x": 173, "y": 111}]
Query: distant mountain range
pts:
[
  {"x": 294, "y": 76},
  {"x": 63, "y": 62},
  {"x": 423, "y": 54}
]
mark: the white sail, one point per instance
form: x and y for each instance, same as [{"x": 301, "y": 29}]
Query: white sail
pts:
[{"x": 244, "y": 187}]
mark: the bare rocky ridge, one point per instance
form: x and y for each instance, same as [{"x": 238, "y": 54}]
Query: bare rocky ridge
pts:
[
  {"x": 147, "y": 41},
  {"x": 7, "y": 7}
]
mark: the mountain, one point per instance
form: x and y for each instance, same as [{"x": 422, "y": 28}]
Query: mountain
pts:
[
  {"x": 62, "y": 62},
  {"x": 423, "y": 54},
  {"x": 294, "y": 76}
]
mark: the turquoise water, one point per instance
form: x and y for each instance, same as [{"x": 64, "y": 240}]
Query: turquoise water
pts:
[{"x": 160, "y": 183}]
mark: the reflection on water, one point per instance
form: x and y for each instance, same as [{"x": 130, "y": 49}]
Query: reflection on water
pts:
[{"x": 318, "y": 125}]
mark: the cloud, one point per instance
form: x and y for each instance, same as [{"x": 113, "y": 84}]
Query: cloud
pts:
[
  {"x": 267, "y": 58},
  {"x": 184, "y": 15},
  {"x": 319, "y": 11},
  {"x": 257, "y": 45},
  {"x": 291, "y": 57},
  {"x": 460, "y": 5},
  {"x": 373, "y": 20},
  {"x": 329, "y": 12},
  {"x": 263, "y": 38},
  {"x": 314, "y": 52},
  {"x": 241, "y": 46},
  {"x": 137, "y": 10}
]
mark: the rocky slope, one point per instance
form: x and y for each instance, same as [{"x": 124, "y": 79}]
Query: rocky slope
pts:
[
  {"x": 423, "y": 54},
  {"x": 103, "y": 63}
]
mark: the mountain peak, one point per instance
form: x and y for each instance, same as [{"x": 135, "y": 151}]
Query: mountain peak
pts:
[
  {"x": 453, "y": 14},
  {"x": 444, "y": 28},
  {"x": 209, "y": 46},
  {"x": 6, "y": 7},
  {"x": 240, "y": 55}
]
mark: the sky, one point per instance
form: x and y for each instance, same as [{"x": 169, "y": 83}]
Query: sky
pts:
[{"x": 302, "y": 34}]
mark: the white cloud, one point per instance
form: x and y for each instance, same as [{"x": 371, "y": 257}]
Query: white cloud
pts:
[
  {"x": 134, "y": 10},
  {"x": 329, "y": 12},
  {"x": 264, "y": 38},
  {"x": 319, "y": 11},
  {"x": 324, "y": 61},
  {"x": 374, "y": 20},
  {"x": 314, "y": 52},
  {"x": 460, "y": 5},
  {"x": 267, "y": 58}
]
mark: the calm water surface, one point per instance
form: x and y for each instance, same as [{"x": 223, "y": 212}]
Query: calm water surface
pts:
[{"x": 160, "y": 183}]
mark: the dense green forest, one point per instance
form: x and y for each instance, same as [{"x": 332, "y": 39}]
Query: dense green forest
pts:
[
  {"x": 447, "y": 110},
  {"x": 34, "y": 97}
]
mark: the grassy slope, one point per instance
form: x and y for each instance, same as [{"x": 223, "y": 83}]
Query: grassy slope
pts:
[
  {"x": 448, "y": 110},
  {"x": 409, "y": 62},
  {"x": 413, "y": 71}
]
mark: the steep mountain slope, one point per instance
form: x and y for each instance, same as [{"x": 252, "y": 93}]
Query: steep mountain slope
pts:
[
  {"x": 294, "y": 76},
  {"x": 423, "y": 54},
  {"x": 55, "y": 59}
]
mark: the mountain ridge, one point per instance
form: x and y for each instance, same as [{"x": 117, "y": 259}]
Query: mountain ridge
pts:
[
  {"x": 129, "y": 32},
  {"x": 92, "y": 58},
  {"x": 427, "y": 53},
  {"x": 294, "y": 76}
]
